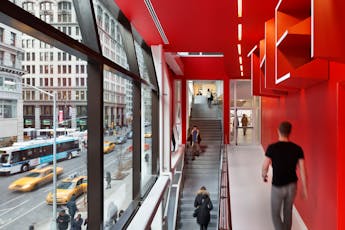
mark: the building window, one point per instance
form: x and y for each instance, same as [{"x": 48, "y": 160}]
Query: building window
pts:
[
  {"x": 64, "y": 6},
  {"x": 46, "y": 6},
  {"x": 13, "y": 39},
  {"x": 106, "y": 23},
  {"x": 28, "y": 6},
  {"x": 1, "y": 34},
  {"x": 1, "y": 57},
  {"x": 112, "y": 28},
  {"x": 99, "y": 15},
  {"x": 13, "y": 60},
  {"x": 8, "y": 109}
]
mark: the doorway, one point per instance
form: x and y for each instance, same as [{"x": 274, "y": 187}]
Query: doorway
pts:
[{"x": 244, "y": 114}]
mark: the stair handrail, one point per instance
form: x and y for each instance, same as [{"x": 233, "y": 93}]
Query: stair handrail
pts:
[
  {"x": 219, "y": 181},
  {"x": 224, "y": 202}
]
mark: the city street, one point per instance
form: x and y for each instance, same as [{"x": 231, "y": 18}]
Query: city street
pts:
[{"x": 18, "y": 210}]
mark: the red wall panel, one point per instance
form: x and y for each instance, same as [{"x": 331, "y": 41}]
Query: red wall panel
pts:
[
  {"x": 313, "y": 113},
  {"x": 341, "y": 156}
]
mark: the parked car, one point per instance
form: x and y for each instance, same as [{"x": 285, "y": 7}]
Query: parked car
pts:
[
  {"x": 76, "y": 185},
  {"x": 34, "y": 179},
  {"x": 120, "y": 140}
]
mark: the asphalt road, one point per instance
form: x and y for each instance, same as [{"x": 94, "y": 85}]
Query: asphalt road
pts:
[{"x": 19, "y": 210}]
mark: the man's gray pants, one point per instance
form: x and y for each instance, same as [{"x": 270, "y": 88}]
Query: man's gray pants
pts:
[{"x": 282, "y": 197}]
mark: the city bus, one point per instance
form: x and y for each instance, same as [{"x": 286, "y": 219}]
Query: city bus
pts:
[{"x": 22, "y": 156}]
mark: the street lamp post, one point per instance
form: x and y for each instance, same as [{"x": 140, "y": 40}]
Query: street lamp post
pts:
[{"x": 53, "y": 95}]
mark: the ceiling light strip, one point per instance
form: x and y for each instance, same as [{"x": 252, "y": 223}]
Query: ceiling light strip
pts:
[
  {"x": 239, "y": 8},
  {"x": 239, "y": 49},
  {"x": 239, "y": 32},
  {"x": 240, "y": 60},
  {"x": 156, "y": 21}
]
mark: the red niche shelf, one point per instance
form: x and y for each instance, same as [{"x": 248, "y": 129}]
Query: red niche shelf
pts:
[{"x": 295, "y": 66}]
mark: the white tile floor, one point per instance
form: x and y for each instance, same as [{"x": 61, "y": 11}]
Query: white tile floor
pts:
[{"x": 250, "y": 197}]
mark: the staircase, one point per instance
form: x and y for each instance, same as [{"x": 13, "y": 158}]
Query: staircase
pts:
[{"x": 204, "y": 170}]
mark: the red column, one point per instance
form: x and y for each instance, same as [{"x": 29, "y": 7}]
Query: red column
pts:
[{"x": 226, "y": 110}]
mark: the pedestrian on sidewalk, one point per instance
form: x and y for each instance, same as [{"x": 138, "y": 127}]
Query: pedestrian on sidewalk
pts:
[
  {"x": 203, "y": 205},
  {"x": 284, "y": 156},
  {"x": 86, "y": 221},
  {"x": 62, "y": 220},
  {"x": 108, "y": 179},
  {"x": 77, "y": 222},
  {"x": 72, "y": 206}
]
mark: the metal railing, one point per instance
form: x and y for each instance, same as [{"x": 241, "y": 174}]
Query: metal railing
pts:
[{"x": 224, "y": 220}]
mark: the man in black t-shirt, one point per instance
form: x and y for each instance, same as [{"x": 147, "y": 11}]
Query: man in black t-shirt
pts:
[{"x": 284, "y": 156}]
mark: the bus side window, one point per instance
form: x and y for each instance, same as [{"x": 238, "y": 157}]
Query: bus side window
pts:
[
  {"x": 29, "y": 155},
  {"x": 16, "y": 156},
  {"x": 59, "y": 147}
]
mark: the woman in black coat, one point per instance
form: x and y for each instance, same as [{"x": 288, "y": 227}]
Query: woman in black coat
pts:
[{"x": 204, "y": 204}]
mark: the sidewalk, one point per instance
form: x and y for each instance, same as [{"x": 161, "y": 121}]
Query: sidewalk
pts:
[{"x": 117, "y": 194}]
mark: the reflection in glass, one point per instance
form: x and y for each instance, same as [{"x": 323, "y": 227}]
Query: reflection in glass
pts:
[{"x": 146, "y": 152}]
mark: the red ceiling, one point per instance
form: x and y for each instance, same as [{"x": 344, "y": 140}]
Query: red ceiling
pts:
[{"x": 203, "y": 26}]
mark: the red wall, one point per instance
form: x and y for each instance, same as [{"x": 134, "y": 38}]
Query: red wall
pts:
[{"x": 313, "y": 114}]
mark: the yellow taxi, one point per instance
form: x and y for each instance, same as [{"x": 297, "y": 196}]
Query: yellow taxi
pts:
[
  {"x": 34, "y": 179},
  {"x": 75, "y": 185},
  {"x": 108, "y": 146},
  {"x": 148, "y": 135}
]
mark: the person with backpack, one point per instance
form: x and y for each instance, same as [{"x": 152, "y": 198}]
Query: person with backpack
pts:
[
  {"x": 194, "y": 140},
  {"x": 203, "y": 205}
]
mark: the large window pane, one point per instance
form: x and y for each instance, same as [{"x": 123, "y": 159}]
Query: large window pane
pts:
[
  {"x": 29, "y": 112},
  {"x": 118, "y": 148},
  {"x": 141, "y": 62},
  {"x": 109, "y": 31},
  {"x": 146, "y": 147},
  {"x": 59, "y": 14}
]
